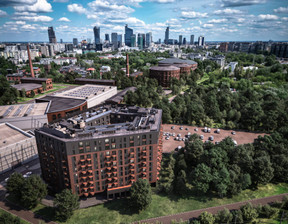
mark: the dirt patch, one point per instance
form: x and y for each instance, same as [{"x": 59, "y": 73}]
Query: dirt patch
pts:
[{"x": 241, "y": 137}]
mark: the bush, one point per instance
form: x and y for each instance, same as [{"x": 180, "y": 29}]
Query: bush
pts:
[
  {"x": 249, "y": 213},
  {"x": 269, "y": 212}
]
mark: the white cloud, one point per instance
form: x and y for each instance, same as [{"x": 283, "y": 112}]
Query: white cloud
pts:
[
  {"x": 227, "y": 11},
  {"x": 25, "y": 14},
  {"x": 76, "y": 8},
  {"x": 284, "y": 18},
  {"x": 64, "y": 19},
  {"x": 130, "y": 20},
  {"x": 268, "y": 17},
  {"x": 237, "y": 3},
  {"x": 6, "y": 3},
  {"x": 193, "y": 15},
  {"x": 3, "y": 13},
  {"x": 217, "y": 21},
  {"x": 39, "y": 6},
  {"x": 207, "y": 25},
  {"x": 98, "y": 5},
  {"x": 35, "y": 18},
  {"x": 163, "y": 1},
  {"x": 15, "y": 23},
  {"x": 61, "y": 1},
  {"x": 281, "y": 10},
  {"x": 28, "y": 27}
]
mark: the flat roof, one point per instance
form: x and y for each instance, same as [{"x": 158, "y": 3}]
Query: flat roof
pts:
[
  {"x": 95, "y": 80},
  {"x": 85, "y": 92},
  {"x": 21, "y": 110},
  {"x": 36, "y": 79},
  {"x": 27, "y": 86},
  {"x": 61, "y": 103},
  {"x": 165, "y": 68},
  {"x": 177, "y": 61},
  {"x": 10, "y": 134}
]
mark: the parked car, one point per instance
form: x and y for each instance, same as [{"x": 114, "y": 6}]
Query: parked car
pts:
[
  {"x": 201, "y": 137},
  {"x": 233, "y": 133},
  {"x": 196, "y": 129}
]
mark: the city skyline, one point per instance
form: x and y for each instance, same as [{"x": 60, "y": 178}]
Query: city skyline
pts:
[{"x": 217, "y": 20}]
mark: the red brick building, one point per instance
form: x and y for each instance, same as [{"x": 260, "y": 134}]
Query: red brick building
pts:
[
  {"x": 164, "y": 74},
  {"x": 47, "y": 81},
  {"x": 29, "y": 87}
]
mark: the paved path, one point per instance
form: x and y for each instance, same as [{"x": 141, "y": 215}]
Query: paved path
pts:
[
  {"x": 21, "y": 212},
  {"x": 194, "y": 214}
]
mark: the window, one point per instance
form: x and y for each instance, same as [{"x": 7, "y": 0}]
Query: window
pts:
[
  {"x": 80, "y": 144},
  {"x": 89, "y": 156}
]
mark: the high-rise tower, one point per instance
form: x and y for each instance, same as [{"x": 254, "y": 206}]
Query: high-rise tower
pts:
[
  {"x": 51, "y": 35},
  {"x": 97, "y": 34},
  {"x": 128, "y": 34},
  {"x": 192, "y": 40},
  {"x": 166, "y": 35}
]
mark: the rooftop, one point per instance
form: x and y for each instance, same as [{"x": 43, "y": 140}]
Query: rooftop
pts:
[
  {"x": 177, "y": 61},
  {"x": 165, "y": 68},
  {"x": 61, "y": 103},
  {"x": 10, "y": 134},
  {"x": 85, "y": 92},
  {"x": 27, "y": 86},
  {"x": 95, "y": 80},
  {"x": 143, "y": 120},
  {"x": 36, "y": 79},
  {"x": 23, "y": 110}
]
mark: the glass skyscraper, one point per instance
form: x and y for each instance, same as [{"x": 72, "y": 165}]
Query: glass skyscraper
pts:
[
  {"x": 97, "y": 34},
  {"x": 128, "y": 34}
]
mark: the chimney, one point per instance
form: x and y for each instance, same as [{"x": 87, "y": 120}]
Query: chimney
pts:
[
  {"x": 30, "y": 62},
  {"x": 127, "y": 65}
]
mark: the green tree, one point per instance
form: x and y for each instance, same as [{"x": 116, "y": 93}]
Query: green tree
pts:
[
  {"x": 7, "y": 218},
  {"x": 263, "y": 170},
  {"x": 33, "y": 190},
  {"x": 249, "y": 213},
  {"x": 201, "y": 177},
  {"x": 141, "y": 194},
  {"x": 206, "y": 218},
  {"x": 65, "y": 203},
  {"x": 224, "y": 216},
  {"x": 32, "y": 95},
  {"x": 8, "y": 94},
  {"x": 15, "y": 183}
]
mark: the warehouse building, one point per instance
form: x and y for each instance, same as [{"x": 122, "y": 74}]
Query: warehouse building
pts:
[
  {"x": 16, "y": 147},
  {"x": 104, "y": 150}
]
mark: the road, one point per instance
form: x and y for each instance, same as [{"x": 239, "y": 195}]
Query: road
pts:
[{"x": 194, "y": 214}]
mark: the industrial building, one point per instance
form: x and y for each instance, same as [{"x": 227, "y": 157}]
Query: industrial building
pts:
[
  {"x": 164, "y": 74},
  {"x": 185, "y": 65},
  {"x": 104, "y": 82},
  {"x": 104, "y": 150},
  {"x": 25, "y": 116},
  {"x": 16, "y": 147},
  {"x": 72, "y": 101},
  {"x": 46, "y": 81}
]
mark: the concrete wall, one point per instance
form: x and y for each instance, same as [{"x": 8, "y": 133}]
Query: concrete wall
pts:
[{"x": 15, "y": 154}]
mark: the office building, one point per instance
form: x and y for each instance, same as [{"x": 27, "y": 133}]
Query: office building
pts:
[
  {"x": 75, "y": 42},
  {"x": 114, "y": 39},
  {"x": 119, "y": 39},
  {"x": 192, "y": 40},
  {"x": 224, "y": 47},
  {"x": 140, "y": 41},
  {"x": 107, "y": 39},
  {"x": 180, "y": 40},
  {"x": 201, "y": 41},
  {"x": 184, "y": 41},
  {"x": 104, "y": 150},
  {"x": 51, "y": 35},
  {"x": 61, "y": 41},
  {"x": 159, "y": 41},
  {"x": 148, "y": 39},
  {"x": 128, "y": 34},
  {"x": 96, "y": 30},
  {"x": 166, "y": 35},
  {"x": 133, "y": 40}
]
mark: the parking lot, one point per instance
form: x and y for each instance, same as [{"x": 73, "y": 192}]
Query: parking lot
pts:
[{"x": 170, "y": 145}]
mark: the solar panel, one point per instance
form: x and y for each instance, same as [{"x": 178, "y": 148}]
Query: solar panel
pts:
[
  {"x": 8, "y": 111},
  {"x": 30, "y": 109},
  {"x": 18, "y": 111}
]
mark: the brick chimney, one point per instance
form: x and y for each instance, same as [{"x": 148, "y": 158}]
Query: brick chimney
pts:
[
  {"x": 30, "y": 62},
  {"x": 127, "y": 65}
]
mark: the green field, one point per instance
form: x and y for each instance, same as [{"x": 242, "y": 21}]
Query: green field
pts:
[
  {"x": 118, "y": 211},
  {"x": 21, "y": 220},
  {"x": 56, "y": 86}
]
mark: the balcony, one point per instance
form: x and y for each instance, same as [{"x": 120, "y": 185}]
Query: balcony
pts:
[
  {"x": 88, "y": 159},
  {"x": 86, "y": 194}
]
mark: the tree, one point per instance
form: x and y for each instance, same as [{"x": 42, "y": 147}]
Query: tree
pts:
[
  {"x": 65, "y": 202},
  {"x": 263, "y": 170},
  {"x": 7, "y": 218},
  {"x": 224, "y": 216},
  {"x": 180, "y": 183},
  {"x": 8, "y": 94},
  {"x": 249, "y": 213},
  {"x": 201, "y": 177},
  {"x": 206, "y": 218},
  {"x": 32, "y": 94},
  {"x": 15, "y": 183},
  {"x": 141, "y": 194},
  {"x": 33, "y": 190}
]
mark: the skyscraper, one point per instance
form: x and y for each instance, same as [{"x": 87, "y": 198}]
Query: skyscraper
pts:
[
  {"x": 140, "y": 41},
  {"x": 114, "y": 39},
  {"x": 166, "y": 35},
  {"x": 75, "y": 41},
  {"x": 192, "y": 39},
  {"x": 201, "y": 41},
  {"x": 107, "y": 37},
  {"x": 184, "y": 41},
  {"x": 180, "y": 39},
  {"x": 148, "y": 39},
  {"x": 128, "y": 34},
  {"x": 97, "y": 34},
  {"x": 51, "y": 35},
  {"x": 119, "y": 39},
  {"x": 133, "y": 40}
]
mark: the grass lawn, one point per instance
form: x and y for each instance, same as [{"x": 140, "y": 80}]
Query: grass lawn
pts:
[
  {"x": 118, "y": 211},
  {"x": 56, "y": 86},
  {"x": 203, "y": 79},
  {"x": 22, "y": 221}
]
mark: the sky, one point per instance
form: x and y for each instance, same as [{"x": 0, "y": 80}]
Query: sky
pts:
[{"x": 216, "y": 20}]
